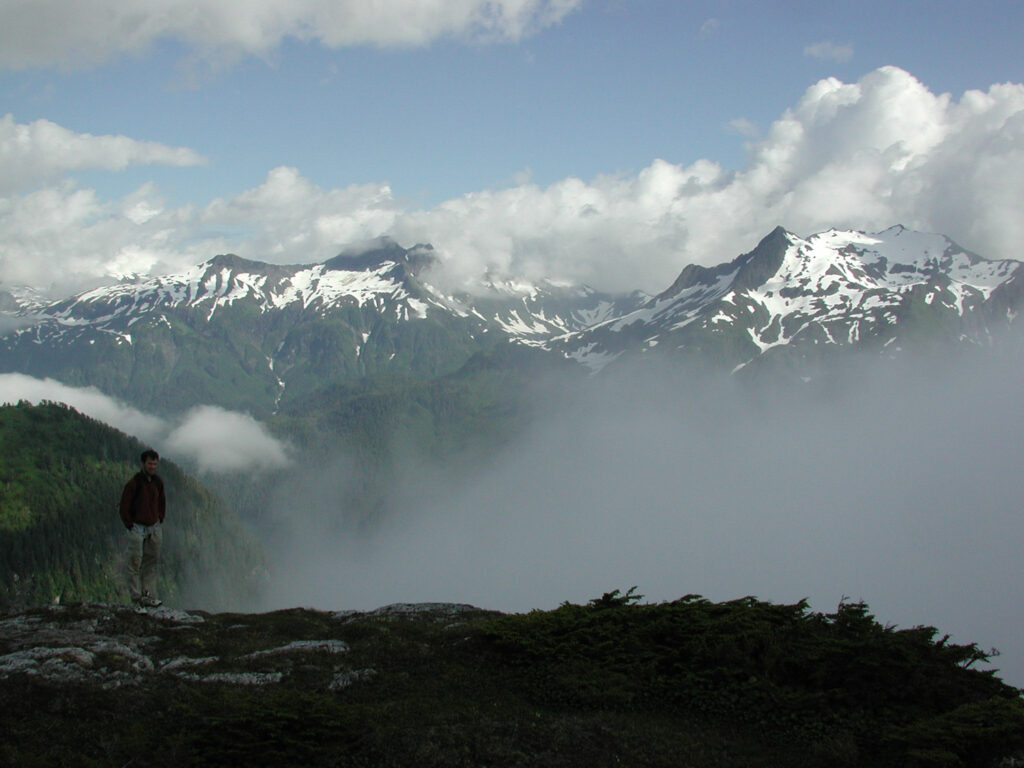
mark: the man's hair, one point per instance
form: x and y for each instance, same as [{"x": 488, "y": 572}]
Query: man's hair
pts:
[{"x": 149, "y": 453}]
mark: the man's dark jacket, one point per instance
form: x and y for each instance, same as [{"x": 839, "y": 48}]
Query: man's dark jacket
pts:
[{"x": 143, "y": 500}]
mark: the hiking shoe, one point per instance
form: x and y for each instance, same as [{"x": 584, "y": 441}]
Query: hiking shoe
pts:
[{"x": 148, "y": 601}]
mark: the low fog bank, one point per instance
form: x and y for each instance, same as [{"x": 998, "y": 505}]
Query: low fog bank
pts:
[{"x": 896, "y": 485}]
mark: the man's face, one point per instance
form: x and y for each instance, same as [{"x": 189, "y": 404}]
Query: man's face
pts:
[{"x": 149, "y": 466}]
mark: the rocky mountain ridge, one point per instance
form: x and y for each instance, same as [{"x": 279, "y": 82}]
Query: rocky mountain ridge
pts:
[
  {"x": 798, "y": 296},
  {"x": 249, "y": 335}
]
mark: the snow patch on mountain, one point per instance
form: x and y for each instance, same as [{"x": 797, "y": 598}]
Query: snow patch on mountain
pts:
[
  {"x": 835, "y": 287},
  {"x": 838, "y": 287},
  {"x": 318, "y": 285}
]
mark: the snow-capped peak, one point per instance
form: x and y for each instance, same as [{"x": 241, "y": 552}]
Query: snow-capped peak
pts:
[{"x": 831, "y": 288}]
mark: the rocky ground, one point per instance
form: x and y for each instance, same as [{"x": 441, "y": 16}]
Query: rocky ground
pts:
[
  {"x": 117, "y": 645},
  {"x": 610, "y": 683}
]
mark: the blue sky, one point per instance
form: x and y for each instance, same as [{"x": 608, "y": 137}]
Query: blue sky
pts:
[{"x": 298, "y": 132}]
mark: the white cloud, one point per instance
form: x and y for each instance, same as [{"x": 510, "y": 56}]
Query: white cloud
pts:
[
  {"x": 212, "y": 438},
  {"x": 864, "y": 155},
  {"x": 606, "y": 231},
  {"x": 15, "y": 387},
  {"x": 298, "y": 221},
  {"x": 709, "y": 28},
  {"x": 42, "y": 151},
  {"x": 867, "y": 155},
  {"x": 60, "y": 238},
  {"x": 829, "y": 51},
  {"x": 226, "y": 441},
  {"x": 72, "y": 33},
  {"x": 742, "y": 127}
]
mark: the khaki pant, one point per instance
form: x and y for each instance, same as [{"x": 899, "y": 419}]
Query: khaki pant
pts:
[{"x": 143, "y": 555}]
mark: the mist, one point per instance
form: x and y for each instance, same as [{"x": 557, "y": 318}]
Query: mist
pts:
[{"x": 896, "y": 485}]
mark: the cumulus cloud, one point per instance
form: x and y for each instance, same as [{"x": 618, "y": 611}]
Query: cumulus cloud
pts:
[
  {"x": 298, "y": 221},
  {"x": 226, "y": 441},
  {"x": 829, "y": 51},
  {"x": 864, "y": 155},
  {"x": 211, "y": 438},
  {"x": 742, "y": 127},
  {"x": 43, "y": 151},
  {"x": 71, "y": 33},
  {"x": 62, "y": 238}
]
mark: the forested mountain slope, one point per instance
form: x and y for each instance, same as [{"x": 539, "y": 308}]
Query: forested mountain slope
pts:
[{"x": 61, "y": 475}]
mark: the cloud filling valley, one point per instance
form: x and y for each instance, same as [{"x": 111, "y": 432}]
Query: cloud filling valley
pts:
[{"x": 899, "y": 487}]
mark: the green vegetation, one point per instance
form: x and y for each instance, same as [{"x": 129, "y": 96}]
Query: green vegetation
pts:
[
  {"x": 840, "y": 688},
  {"x": 61, "y": 476},
  {"x": 476, "y": 406},
  {"x": 181, "y": 356},
  {"x": 614, "y": 682}
]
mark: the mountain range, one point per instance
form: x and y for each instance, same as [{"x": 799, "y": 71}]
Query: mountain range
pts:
[
  {"x": 796, "y": 297},
  {"x": 255, "y": 336}
]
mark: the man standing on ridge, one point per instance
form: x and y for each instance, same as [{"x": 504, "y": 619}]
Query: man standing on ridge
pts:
[{"x": 143, "y": 506}]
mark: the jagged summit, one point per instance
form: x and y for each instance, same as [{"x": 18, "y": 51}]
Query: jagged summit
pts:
[
  {"x": 381, "y": 251},
  {"x": 754, "y": 268},
  {"x": 749, "y": 269},
  {"x": 234, "y": 262}
]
